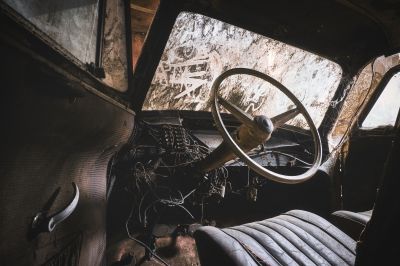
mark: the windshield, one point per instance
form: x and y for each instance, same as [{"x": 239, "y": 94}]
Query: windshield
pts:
[{"x": 201, "y": 48}]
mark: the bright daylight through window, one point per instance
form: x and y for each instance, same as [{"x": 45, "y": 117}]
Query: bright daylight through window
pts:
[
  {"x": 385, "y": 110},
  {"x": 201, "y": 48}
]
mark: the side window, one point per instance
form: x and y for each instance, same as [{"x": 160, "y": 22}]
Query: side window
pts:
[
  {"x": 385, "y": 110},
  {"x": 72, "y": 24},
  {"x": 92, "y": 31}
]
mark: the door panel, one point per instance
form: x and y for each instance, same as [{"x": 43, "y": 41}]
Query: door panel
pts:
[
  {"x": 55, "y": 130},
  {"x": 371, "y": 142},
  {"x": 364, "y": 165}
]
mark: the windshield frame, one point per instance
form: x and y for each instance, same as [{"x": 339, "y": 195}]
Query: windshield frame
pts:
[
  {"x": 200, "y": 48},
  {"x": 163, "y": 23}
]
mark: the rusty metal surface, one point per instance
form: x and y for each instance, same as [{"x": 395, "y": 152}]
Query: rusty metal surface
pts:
[
  {"x": 115, "y": 59},
  {"x": 54, "y": 132},
  {"x": 358, "y": 94},
  {"x": 142, "y": 14}
]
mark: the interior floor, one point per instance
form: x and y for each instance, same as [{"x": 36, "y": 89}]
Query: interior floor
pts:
[{"x": 174, "y": 251}]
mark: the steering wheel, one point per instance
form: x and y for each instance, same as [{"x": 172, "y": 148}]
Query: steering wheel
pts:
[{"x": 268, "y": 124}]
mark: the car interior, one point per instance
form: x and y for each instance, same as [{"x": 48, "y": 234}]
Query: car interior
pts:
[{"x": 200, "y": 132}]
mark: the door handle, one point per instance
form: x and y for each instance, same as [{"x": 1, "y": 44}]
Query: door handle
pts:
[
  {"x": 43, "y": 223},
  {"x": 64, "y": 213}
]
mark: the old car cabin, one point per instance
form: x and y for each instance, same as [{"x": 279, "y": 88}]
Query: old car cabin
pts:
[{"x": 200, "y": 132}]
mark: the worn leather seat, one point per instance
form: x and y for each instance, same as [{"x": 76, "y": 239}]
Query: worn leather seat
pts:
[
  {"x": 293, "y": 238},
  {"x": 352, "y": 223},
  {"x": 302, "y": 238},
  {"x": 359, "y": 217}
]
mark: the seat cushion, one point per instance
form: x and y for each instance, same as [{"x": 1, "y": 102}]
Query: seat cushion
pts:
[{"x": 293, "y": 238}]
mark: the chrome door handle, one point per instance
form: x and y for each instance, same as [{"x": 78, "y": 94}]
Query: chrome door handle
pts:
[
  {"x": 43, "y": 223},
  {"x": 64, "y": 213}
]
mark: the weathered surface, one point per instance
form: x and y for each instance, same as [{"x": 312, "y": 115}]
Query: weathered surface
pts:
[
  {"x": 58, "y": 129},
  {"x": 358, "y": 95},
  {"x": 182, "y": 251},
  {"x": 201, "y": 48},
  {"x": 72, "y": 23},
  {"x": 115, "y": 60},
  {"x": 142, "y": 14}
]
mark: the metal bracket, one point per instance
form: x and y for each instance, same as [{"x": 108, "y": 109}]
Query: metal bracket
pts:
[{"x": 95, "y": 70}]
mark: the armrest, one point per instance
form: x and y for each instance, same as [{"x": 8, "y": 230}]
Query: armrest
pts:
[{"x": 352, "y": 223}]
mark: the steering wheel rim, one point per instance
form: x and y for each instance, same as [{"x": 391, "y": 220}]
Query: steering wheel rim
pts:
[{"x": 240, "y": 153}]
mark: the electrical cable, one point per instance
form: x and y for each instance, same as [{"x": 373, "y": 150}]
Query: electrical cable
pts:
[
  {"x": 140, "y": 242},
  {"x": 273, "y": 152}
]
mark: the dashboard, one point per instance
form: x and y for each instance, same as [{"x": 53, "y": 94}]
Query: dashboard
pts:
[{"x": 158, "y": 167}]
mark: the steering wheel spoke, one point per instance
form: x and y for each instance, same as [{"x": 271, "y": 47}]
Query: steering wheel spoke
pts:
[
  {"x": 282, "y": 118},
  {"x": 241, "y": 115}
]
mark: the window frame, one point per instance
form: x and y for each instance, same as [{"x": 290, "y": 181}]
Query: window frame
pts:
[
  {"x": 204, "y": 44},
  {"x": 91, "y": 73},
  {"x": 374, "y": 97}
]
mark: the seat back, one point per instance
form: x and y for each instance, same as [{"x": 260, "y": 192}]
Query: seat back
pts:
[{"x": 379, "y": 242}]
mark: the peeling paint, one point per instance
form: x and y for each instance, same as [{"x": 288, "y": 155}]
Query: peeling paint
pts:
[{"x": 358, "y": 95}]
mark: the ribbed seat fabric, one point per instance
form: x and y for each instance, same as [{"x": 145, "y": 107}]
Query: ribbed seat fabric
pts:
[
  {"x": 359, "y": 217},
  {"x": 293, "y": 238}
]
